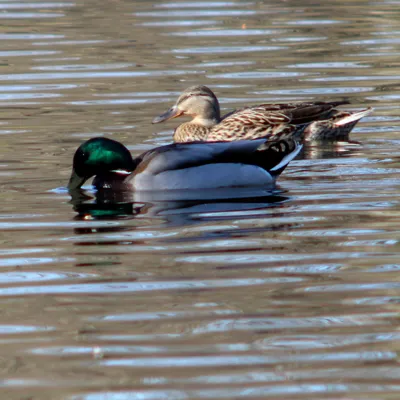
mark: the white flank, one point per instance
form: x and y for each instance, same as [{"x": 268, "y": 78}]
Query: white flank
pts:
[{"x": 210, "y": 176}]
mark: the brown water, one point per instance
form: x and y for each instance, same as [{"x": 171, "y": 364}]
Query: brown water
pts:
[{"x": 288, "y": 296}]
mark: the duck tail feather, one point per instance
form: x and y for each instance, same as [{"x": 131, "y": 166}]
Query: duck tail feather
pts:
[
  {"x": 353, "y": 117},
  {"x": 277, "y": 169}
]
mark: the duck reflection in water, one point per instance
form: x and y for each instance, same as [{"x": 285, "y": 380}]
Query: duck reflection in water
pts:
[{"x": 107, "y": 205}]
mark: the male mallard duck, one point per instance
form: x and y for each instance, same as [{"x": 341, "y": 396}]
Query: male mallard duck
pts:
[
  {"x": 309, "y": 121},
  {"x": 244, "y": 163}
]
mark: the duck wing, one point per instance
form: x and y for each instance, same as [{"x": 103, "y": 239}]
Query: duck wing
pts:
[
  {"x": 298, "y": 113},
  {"x": 202, "y": 165},
  {"x": 281, "y": 121},
  {"x": 251, "y": 123},
  {"x": 186, "y": 155},
  {"x": 303, "y": 113},
  {"x": 271, "y": 156}
]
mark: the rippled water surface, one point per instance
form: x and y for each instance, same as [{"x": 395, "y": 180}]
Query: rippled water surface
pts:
[{"x": 289, "y": 295}]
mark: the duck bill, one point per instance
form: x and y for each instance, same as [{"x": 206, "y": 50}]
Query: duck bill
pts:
[
  {"x": 173, "y": 112},
  {"x": 76, "y": 181}
]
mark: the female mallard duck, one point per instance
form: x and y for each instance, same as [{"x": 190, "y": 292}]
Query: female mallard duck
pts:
[
  {"x": 244, "y": 163},
  {"x": 307, "y": 121}
]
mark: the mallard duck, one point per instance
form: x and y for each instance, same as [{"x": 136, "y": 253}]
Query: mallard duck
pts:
[
  {"x": 244, "y": 163},
  {"x": 307, "y": 121}
]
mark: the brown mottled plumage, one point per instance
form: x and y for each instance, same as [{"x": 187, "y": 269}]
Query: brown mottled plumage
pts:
[{"x": 308, "y": 121}]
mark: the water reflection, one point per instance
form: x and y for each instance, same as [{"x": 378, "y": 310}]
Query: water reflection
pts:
[
  {"x": 351, "y": 148},
  {"x": 290, "y": 294},
  {"x": 175, "y": 207}
]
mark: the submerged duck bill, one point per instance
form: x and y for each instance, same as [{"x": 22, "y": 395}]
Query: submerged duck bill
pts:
[
  {"x": 76, "y": 181},
  {"x": 190, "y": 166},
  {"x": 173, "y": 112}
]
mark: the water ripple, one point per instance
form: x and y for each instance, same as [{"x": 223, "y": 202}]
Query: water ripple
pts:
[
  {"x": 291, "y": 294},
  {"x": 120, "y": 287}
]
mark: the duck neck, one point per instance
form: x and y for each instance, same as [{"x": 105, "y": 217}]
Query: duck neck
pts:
[
  {"x": 207, "y": 121},
  {"x": 207, "y": 113}
]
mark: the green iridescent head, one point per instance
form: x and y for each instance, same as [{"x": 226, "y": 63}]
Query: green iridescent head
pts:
[{"x": 99, "y": 156}]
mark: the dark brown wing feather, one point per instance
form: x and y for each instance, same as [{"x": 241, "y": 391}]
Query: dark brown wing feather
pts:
[
  {"x": 281, "y": 120},
  {"x": 299, "y": 113}
]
